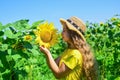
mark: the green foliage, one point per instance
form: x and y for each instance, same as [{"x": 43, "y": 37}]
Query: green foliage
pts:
[
  {"x": 104, "y": 38},
  {"x": 21, "y": 59}
]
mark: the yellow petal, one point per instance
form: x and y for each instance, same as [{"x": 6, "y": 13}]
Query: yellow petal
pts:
[{"x": 46, "y": 34}]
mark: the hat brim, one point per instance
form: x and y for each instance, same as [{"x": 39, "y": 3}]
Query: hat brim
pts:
[{"x": 71, "y": 27}]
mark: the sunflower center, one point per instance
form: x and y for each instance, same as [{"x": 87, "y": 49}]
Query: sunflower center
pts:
[{"x": 45, "y": 36}]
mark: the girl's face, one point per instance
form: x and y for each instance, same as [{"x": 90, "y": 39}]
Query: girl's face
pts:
[{"x": 65, "y": 35}]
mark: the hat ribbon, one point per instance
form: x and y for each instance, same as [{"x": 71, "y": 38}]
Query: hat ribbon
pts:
[{"x": 76, "y": 26}]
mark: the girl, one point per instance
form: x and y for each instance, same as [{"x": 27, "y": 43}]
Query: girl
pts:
[{"x": 77, "y": 61}]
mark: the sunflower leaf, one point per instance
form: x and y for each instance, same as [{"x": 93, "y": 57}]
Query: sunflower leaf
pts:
[{"x": 35, "y": 24}]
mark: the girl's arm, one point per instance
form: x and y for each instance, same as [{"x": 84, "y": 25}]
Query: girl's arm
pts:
[
  {"x": 57, "y": 60},
  {"x": 58, "y": 71}
]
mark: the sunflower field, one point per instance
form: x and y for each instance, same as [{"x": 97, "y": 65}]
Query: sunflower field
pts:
[{"x": 21, "y": 59}]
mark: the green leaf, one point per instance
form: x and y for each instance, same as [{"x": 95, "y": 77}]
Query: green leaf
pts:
[
  {"x": 1, "y": 27},
  {"x": 13, "y": 30},
  {"x": 9, "y": 58},
  {"x": 100, "y": 57},
  {"x": 21, "y": 25},
  {"x": 33, "y": 60},
  {"x": 9, "y": 34},
  {"x": 16, "y": 57},
  {"x": 9, "y": 51},
  {"x": 1, "y": 65},
  {"x": 6, "y": 71},
  {"x": 4, "y": 47},
  {"x": 117, "y": 34},
  {"x": 19, "y": 33},
  {"x": 27, "y": 45},
  {"x": 35, "y": 52},
  {"x": 118, "y": 59},
  {"x": 1, "y": 33},
  {"x": 35, "y": 24},
  {"x": 118, "y": 78},
  {"x": 7, "y": 25}
]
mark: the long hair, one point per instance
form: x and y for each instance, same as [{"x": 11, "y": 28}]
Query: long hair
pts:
[{"x": 89, "y": 63}]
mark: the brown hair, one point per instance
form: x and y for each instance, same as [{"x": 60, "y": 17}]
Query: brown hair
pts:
[{"x": 89, "y": 63}]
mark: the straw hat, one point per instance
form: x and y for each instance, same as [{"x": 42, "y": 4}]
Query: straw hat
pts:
[{"x": 75, "y": 24}]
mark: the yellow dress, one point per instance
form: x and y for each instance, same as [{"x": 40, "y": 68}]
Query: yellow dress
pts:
[{"x": 72, "y": 58}]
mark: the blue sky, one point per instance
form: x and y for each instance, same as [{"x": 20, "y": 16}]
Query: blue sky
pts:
[{"x": 53, "y": 10}]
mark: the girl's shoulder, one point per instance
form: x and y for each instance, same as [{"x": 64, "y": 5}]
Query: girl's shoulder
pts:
[{"x": 73, "y": 52}]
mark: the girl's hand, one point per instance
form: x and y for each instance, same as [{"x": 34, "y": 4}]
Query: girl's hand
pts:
[{"x": 44, "y": 50}]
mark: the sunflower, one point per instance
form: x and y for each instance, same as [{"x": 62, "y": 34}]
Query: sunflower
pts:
[
  {"x": 101, "y": 23},
  {"x": 27, "y": 38},
  {"x": 46, "y": 34}
]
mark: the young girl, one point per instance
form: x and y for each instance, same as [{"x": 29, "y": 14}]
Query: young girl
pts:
[{"x": 77, "y": 61}]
